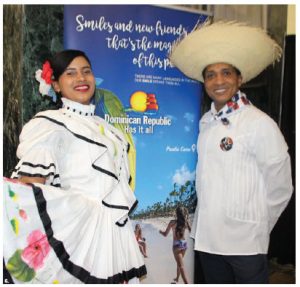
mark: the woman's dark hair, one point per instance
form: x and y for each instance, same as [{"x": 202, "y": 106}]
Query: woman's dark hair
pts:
[
  {"x": 181, "y": 220},
  {"x": 60, "y": 61}
]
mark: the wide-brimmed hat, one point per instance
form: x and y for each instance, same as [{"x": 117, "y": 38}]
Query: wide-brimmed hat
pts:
[{"x": 249, "y": 49}]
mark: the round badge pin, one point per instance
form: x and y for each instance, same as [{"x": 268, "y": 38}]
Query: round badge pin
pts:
[
  {"x": 225, "y": 121},
  {"x": 226, "y": 144}
]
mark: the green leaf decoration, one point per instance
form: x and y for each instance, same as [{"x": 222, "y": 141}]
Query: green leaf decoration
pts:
[
  {"x": 15, "y": 225},
  {"x": 19, "y": 269},
  {"x": 12, "y": 194}
]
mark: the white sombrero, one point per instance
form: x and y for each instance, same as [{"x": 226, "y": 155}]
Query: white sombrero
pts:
[{"x": 247, "y": 48}]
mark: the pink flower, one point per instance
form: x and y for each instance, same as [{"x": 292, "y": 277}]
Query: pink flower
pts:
[
  {"x": 37, "y": 249},
  {"x": 23, "y": 214},
  {"x": 47, "y": 72}
]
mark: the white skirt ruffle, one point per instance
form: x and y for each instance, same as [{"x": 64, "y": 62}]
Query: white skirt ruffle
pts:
[{"x": 54, "y": 236}]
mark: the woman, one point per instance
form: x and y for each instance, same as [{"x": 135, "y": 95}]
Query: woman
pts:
[
  {"x": 178, "y": 227},
  {"x": 71, "y": 224},
  {"x": 140, "y": 239}
]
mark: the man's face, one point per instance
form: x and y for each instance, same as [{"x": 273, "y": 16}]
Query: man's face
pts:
[{"x": 221, "y": 83}]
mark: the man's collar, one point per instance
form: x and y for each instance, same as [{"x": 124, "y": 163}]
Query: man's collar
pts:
[{"x": 236, "y": 102}]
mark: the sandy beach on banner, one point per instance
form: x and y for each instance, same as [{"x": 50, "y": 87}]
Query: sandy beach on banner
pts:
[{"x": 161, "y": 265}]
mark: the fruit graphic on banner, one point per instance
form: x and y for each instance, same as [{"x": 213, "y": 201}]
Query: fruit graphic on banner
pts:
[{"x": 142, "y": 102}]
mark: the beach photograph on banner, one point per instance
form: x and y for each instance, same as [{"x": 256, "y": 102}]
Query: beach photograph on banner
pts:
[{"x": 158, "y": 110}]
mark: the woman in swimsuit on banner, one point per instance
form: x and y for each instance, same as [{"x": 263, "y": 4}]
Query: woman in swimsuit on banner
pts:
[{"x": 178, "y": 226}]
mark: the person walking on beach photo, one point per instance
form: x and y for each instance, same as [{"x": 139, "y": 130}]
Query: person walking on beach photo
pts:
[
  {"x": 140, "y": 240},
  {"x": 178, "y": 227}
]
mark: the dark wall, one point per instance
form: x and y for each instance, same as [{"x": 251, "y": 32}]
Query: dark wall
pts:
[
  {"x": 31, "y": 33},
  {"x": 42, "y": 37},
  {"x": 282, "y": 244},
  {"x": 12, "y": 79}
]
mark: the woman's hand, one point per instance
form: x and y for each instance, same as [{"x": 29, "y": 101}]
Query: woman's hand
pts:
[{"x": 28, "y": 179}]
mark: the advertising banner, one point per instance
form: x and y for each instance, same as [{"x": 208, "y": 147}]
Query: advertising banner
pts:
[{"x": 156, "y": 107}]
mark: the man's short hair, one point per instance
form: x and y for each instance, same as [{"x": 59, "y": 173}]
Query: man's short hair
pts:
[{"x": 238, "y": 72}]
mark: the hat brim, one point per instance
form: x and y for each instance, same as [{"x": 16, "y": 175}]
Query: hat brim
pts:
[{"x": 249, "y": 49}]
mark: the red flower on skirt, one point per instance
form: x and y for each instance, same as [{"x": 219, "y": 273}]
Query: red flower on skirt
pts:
[
  {"x": 47, "y": 72},
  {"x": 37, "y": 249}
]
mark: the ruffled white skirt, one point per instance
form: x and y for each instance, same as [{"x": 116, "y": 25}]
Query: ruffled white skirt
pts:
[{"x": 54, "y": 236}]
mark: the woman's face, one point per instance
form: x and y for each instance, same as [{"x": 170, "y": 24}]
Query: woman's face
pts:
[{"x": 77, "y": 82}]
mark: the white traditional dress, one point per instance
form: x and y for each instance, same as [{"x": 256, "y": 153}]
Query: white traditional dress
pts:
[{"x": 75, "y": 228}]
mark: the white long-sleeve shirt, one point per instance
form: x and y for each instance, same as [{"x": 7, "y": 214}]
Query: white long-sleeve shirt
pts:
[{"x": 242, "y": 191}]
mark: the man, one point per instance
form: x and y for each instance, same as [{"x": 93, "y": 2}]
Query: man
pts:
[{"x": 243, "y": 176}]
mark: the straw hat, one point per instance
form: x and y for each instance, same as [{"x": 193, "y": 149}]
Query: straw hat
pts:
[{"x": 247, "y": 48}]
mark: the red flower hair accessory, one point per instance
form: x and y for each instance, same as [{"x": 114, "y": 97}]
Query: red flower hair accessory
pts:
[
  {"x": 45, "y": 78},
  {"x": 47, "y": 72}
]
